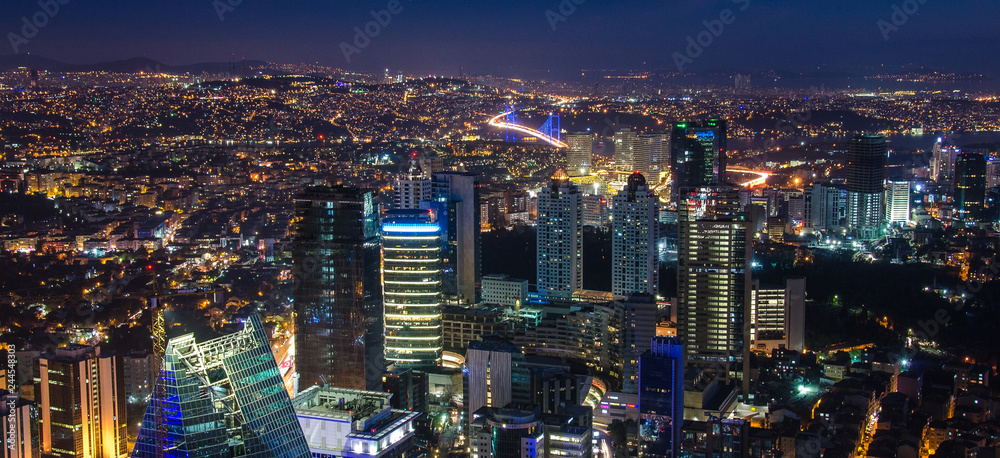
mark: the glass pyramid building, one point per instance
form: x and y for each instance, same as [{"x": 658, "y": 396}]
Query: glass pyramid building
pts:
[{"x": 221, "y": 398}]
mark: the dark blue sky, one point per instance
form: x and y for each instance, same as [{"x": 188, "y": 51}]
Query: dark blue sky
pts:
[{"x": 514, "y": 37}]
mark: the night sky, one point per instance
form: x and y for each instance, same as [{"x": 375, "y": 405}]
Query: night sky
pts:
[{"x": 516, "y": 38}]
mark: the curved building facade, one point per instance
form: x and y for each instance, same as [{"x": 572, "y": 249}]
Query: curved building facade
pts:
[{"x": 411, "y": 279}]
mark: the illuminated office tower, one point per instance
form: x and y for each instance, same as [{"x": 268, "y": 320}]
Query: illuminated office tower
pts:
[
  {"x": 19, "y": 423},
  {"x": 777, "y": 316},
  {"x": 866, "y": 158},
  {"x": 456, "y": 198},
  {"x": 652, "y": 155},
  {"x": 697, "y": 154},
  {"x": 661, "y": 398},
  {"x": 970, "y": 187},
  {"x": 625, "y": 145},
  {"x": 81, "y": 394},
  {"x": 222, "y": 397},
  {"x": 634, "y": 264},
  {"x": 411, "y": 273},
  {"x": 338, "y": 289},
  {"x": 897, "y": 200},
  {"x": 411, "y": 188},
  {"x": 713, "y": 280},
  {"x": 579, "y": 154},
  {"x": 560, "y": 238}
]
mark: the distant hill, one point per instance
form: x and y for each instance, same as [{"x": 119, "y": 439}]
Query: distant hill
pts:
[{"x": 133, "y": 65}]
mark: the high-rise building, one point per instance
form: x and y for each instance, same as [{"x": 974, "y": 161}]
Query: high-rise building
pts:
[
  {"x": 457, "y": 199},
  {"x": 579, "y": 153},
  {"x": 897, "y": 198},
  {"x": 497, "y": 374},
  {"x": 412, "y": 287},
  {"x": 340, "y": 422},
  {"x": 560, "y": 238},
  {"x": 943, "y": 162},
  {"x": 866, "y": 159},
  {"x": 411, "y": 187},
  {"x": 970, "y": 187},
  {"x": 825, "y": 207},
  {"x": 638, "y": 330},
  {"x": 338, "y": 290},
  {"x": 19, "y": 425},
  {"x": 625, "y": 144},
  {"x": 777, "y": 315},
  {"x": 634, "y": 262},
  {"x": 713, "y": 280},
  {"x": 81, "y": 394},
  {"x": 652, "y": 155},
  {"x": 661, "y": 398},
  {"x": 222, "y": 397},
  {"x": 697, "y": 154}
]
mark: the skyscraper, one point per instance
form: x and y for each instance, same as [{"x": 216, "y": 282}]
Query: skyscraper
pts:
[
  {"x": 943, "y": 162},
  {"x": 82, "y": 399},
  {"x": 715, "y": 248},
  {"x": 497, "y": 374},
  {"x": 560, "y": 238},
  {"x": 866, "y": 159},
  {"x": 634, "y": 264},
  {"x": 697, "y": 154},
  {"x": 652, "y": 155},
  {"x": 625, "y": 145},
  {"x": 223, "y": 397},
  {"x": 338, "y": 290},
  {"x": 579, "y": 153},
  {"x": 970, "y": 187},
  {"x": 456, "y": 197},
  {"x": 412, "y": 288},
  {"x": 898, "y": 202},
  {"x": 19, "y": 424},
  {"x": 661, "y": 398},
  {"x": 412, "y": 187}
]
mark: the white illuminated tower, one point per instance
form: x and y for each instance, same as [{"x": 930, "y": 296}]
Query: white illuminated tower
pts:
[
  {"x": 560, "y": 238},
  {"x": 411, "y": 254},
  {"x": 411, "y": 188},
  {"x": 634, "y": 264},
  {"x": 579, "y": 153}
]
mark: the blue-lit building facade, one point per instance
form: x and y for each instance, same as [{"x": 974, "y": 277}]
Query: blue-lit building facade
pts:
[
  {"x": 661, "y": 397},
  {"x": 411, "y": 278},
  {"x": 222, "y": 397}
]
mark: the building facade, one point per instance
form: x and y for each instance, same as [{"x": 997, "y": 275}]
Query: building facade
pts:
[
  {"x": 340, "y": 422},
  {"x": 82, "y": 399},
  {"x": 338, "y": 292},
  {"x": 412, "y": 287},
  {"x": 560, "y": 239},
  {"x": 866, "y": 159},
  {"x": 579, "y": 153},
  {"x": 222, "y": 397},
  {"x": 634, "y": 265},
  {"x": 661, "y": 398},
  {"x": 457, "y": 199}
]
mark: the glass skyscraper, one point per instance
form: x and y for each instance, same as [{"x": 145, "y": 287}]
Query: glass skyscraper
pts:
[
  {"x": 661, "y": 397},
  {"x": 697, "y": 154},
  {"x": 338, "y": 291},
  {"x": 970, "y": 187},
  {"x": 412, "y": 288},
  {"x": 560, "y": 238},
  {"x": 866, "y": 159},
  {"x": 222, "y": 397}
]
